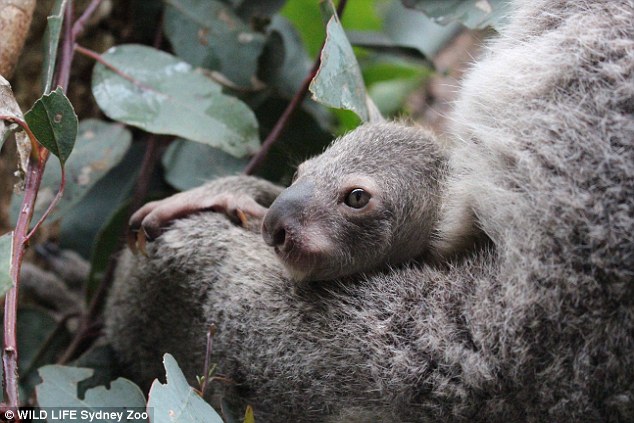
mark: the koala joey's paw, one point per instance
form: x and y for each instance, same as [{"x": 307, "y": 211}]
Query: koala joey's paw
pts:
[{"x": 147, "y": 223}]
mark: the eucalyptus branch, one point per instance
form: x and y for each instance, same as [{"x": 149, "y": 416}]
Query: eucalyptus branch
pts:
[
  {"x": 21, "y": 235},
  {"x": 34, "y": 173}
]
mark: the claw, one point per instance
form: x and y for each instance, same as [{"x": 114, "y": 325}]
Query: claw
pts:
[
  {"x": 131, "y": 240},
  {"x": 243, "y": 218},
  {"x": 141, "y": 241}
]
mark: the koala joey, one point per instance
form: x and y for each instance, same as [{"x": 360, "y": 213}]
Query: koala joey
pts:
[{"x": 371, "y": 199}]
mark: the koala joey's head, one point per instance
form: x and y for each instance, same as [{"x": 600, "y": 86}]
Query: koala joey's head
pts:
[{"x": 371, "y": 199}]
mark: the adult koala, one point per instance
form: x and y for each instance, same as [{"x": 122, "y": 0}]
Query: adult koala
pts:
[{"x": 538, "y": 327}]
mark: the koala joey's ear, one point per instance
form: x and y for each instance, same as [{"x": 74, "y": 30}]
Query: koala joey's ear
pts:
[{"x": 374, "y": 114}]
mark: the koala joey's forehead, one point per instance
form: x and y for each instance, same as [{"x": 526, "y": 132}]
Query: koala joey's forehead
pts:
[{"x": 375, "y": 150}]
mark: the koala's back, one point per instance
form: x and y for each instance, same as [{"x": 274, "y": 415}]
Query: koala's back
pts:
[{"x": 546, "y": 155}]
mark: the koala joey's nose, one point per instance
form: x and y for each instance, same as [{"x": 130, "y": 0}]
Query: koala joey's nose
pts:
[
  {"x": 274, "y": 232},
  {"x": 282, "y": 219}
]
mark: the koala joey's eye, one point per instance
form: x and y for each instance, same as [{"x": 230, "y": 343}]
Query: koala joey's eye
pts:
[
  {"x": 294, "y": 178},
  {"x": 357, "y": 198}
]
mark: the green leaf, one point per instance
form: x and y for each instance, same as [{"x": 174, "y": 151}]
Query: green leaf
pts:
[
  {"x": 188, "y": 164},
  {"x": 415, "y": 30},
  {"x": 53, "y": 121},
  {"x": 338, "y": 82},
  {"x": 6, "y": 250},
  {"x": 207, "y": 33},
  {"x": 59, "y": 389},
  {"x": 176, "y": 401},
  {"x": 50, "y": 43},
  {"x": 472, "y": 13},
  {"x": 168, "y": 96},
  {"x": 100, "y": 146}
]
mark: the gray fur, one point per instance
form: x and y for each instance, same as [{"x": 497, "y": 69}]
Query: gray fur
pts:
[{"x": 538, "y": 327}]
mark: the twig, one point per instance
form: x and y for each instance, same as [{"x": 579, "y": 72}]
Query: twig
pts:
[
  {"x": 66, "y": 59},
  {"x": 206, "y": 372},
  {"x": 86, "y": 324},
  {"x": 58, "y": 196},
  {"x": 290, "y": 110},
  {"x": 97, "y": 57},
  {"x": 35, "y": 145},
  {"x": 80, "y": 23}
]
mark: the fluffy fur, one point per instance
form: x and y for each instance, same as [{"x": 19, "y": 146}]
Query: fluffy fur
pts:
[{"x": 538, "y": 327}]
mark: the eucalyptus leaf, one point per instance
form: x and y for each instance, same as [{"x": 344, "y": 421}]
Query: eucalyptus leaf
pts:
[
  {"x": 53, "y": 121},
  {"x": 208, "y": 34},
  {"x": 50, "y": 43},
  {"x": 59, "y": 389},
  {"x": 416, "y": 30},
  {"x": 168, "y": 96},
  {"x": 176, "y": 401},
  {"x": 6, "y": 249},
  {"x": 100, "y": 146},
  {"x": 338, "y": 82},
  {"x": 188, "y": 164},
  {"x": 471, "y": 13}
]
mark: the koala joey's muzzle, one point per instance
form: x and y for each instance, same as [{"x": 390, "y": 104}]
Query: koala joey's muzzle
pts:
[{"x": 282, "y": 221}]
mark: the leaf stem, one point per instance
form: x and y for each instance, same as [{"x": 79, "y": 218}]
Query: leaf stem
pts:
[
  {"x": 97, "y": 57},
  {"x": 35, "y": 145},
  {"x": 281, "y": 124},
  {"x": 206, "y": 370},
  {"x": 51, "y": 206}
]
